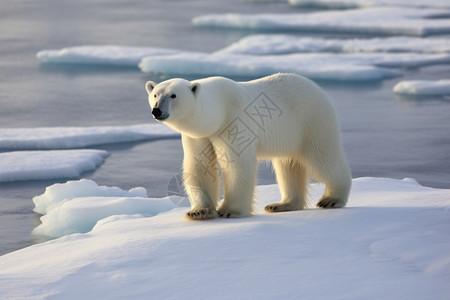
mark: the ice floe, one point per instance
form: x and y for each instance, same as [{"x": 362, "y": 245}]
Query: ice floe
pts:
[
  {"x": 390, "y": 242},
  {"x": 342, "y": 4},
  {"x": 423, "y": 87},
  {"x": 77, "y": 137},
  {"x": 378, "y": 20},
  {"x": 40, "y": 165},
  {"x": 321, "y": 66},
  {"x": 101, "y": 55},
  {"x": 265, "y": 44}
]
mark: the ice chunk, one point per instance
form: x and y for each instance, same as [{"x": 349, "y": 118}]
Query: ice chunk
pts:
[
  {"x": 264, "y": 44},
  {"x": 336, "y": 4},
  {"x": 393, "y": 233},
  {"x": 39, "y": 165},
  {"x": 101, "y": 55},
  {"x": 378, "y": 20},
  {"x": 79, "y": 215},
  {"x": 423, "y": 87},
  {"x": 322, "y": 66},
  {"x": 61, "y": 192},
  {"x": 76, "y": 206},
  {"x": 77, "y": 137}
]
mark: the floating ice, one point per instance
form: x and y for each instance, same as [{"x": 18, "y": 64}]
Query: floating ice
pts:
[
  {"x": 101, "y": 55},
  {"x": 40, "y": 165},
  {"x": 59, "y": 193},
  {"x": 76, "y": 206},
  {"x": 423, "y": 87},
  {"x": 77, "y": 137},
  {"x": 379, "y": 20},
  {"x": 264, "y": 44},
  {"x": 393, "y": 233},
  {"x": 321, "y": 66},
  {"x": 340, "y": 4}
]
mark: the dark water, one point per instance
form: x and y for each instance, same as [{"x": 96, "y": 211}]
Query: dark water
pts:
[{"x": 384, "y": 135}]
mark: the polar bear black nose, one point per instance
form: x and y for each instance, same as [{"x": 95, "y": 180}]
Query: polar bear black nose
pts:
[{"x": 156, "y": 112}]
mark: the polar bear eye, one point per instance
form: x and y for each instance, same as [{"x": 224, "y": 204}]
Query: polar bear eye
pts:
[
  {"x": 154, "y": 95},
  {"x": 173, "y": 96}
]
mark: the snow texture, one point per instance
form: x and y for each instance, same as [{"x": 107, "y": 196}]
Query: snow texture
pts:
[
  {"x": 40, "y": 165},
  {"x": 378, "y": 20},
  {"x": 77, "y": 137},
  {"x": 423, "y": 87},
  {"x": 101, "y": 55},
  {"x": 320, "y": 66},
  {"x": 390, "y": 242},
  {"x": 343, "y": 4},
  {"x": 264, "y": 44}
]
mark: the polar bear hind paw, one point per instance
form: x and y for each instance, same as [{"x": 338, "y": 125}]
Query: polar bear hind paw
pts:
[
  {"x": 327, "y": 202},
  {"x": 202, "y": 214},
  {"x": 223, "y": 213}
]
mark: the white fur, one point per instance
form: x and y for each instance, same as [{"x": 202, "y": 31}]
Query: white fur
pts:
[{"x": 283, "y": 117}]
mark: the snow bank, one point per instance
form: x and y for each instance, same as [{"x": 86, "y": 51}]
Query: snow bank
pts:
[
  {"x": 264, "y": 44},
  {"x": 342, "y": 4},
  {"x": 423, "y": 87},
  {"x": 379, "y": 20},
  {"x": 77, "y": 137},
  {"x": 321, "y": 66},
  {"x": 391, "y": 242},
  {"x": 101, "y": 55},
  {"x": 40, "y": 165}
]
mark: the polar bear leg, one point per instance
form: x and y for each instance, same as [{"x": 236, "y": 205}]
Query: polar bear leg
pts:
[
  {"x": 239, "y": 180},
  {"x": 201, "y": 178},
  {"x": 329, "y": 166},
  {"x": 293, "y": 183}
]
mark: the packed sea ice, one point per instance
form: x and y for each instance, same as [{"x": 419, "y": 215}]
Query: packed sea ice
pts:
[
  {"x": 390, "y": 242},
  {"x": 377, "y": 20},
  {"x": 423, "y": 87}
]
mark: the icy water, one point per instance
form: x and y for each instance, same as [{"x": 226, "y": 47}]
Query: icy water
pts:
[{"x": 384, "y": 135}]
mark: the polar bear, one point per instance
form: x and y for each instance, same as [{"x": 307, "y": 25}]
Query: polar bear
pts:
[{"x": 226, "y": 126}]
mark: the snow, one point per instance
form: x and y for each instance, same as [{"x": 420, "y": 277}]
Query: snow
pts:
[
  {"x": 423, "y": 87},
  {"x": 341, "y": 4},
  {"x": 101, "y": 55},
  {"x": 378, "y": 20},
  {"x": 320, "y": 66},
  {"x": 40, "y": 165},
  {"x": 264, "y": 44},
  {"x": 76, "y": 137},
  {"x": 390, "y": 242}
]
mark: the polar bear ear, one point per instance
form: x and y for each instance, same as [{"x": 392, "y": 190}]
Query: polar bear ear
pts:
[
  {"x": 149, "y": 86},
  {"x": 195, "y": 88}
]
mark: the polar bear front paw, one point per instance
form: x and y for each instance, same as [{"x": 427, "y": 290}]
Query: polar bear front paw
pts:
[{"x": 201, "y": 214}]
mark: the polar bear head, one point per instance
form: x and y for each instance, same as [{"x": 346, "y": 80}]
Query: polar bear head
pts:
[{"x": 173, "y": 100}]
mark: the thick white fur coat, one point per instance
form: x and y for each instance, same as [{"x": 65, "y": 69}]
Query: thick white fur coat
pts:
[{"x": 285, "y": 118}]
